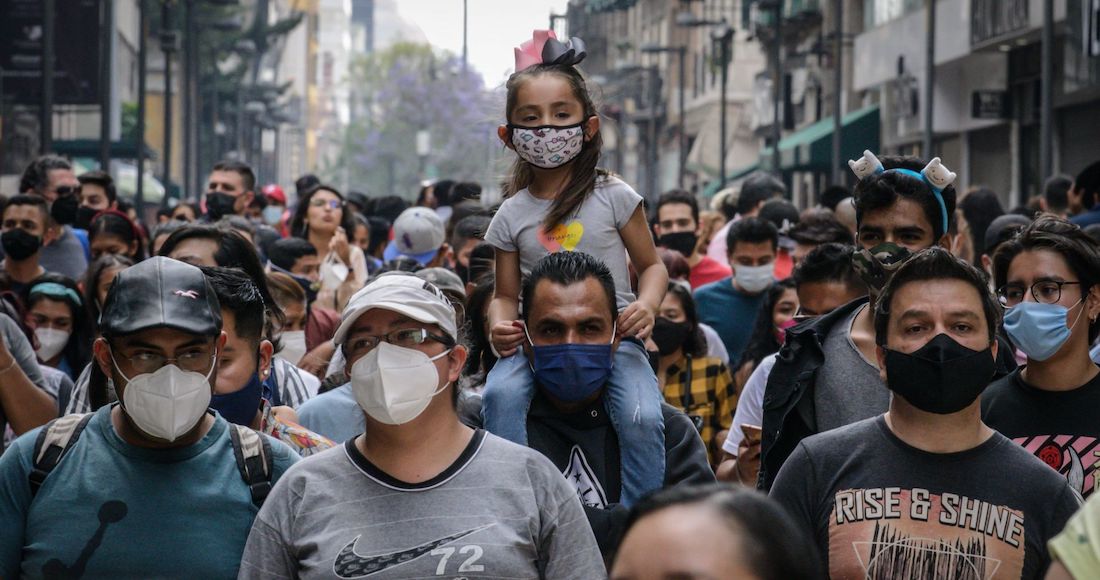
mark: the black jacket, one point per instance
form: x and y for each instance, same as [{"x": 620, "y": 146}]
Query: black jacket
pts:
[
  {"x": 788, "y": 408},
  {"x": 583, "y": 444},
  {"x": 789, "y": 415}
]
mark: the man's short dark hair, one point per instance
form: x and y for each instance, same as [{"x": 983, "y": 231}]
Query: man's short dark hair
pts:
[
  {"x": 780, "y": 212},
  {"x": 1088, "y": 181},
  {"x": 389, "y": 207},
  {"x": 678, "y": 196},
  {"x": 829, "y": 263},
  {"x": 469, "y": 228},
  {"x": 238, "y": 294},
  {"x": 233, "y": 251},
  {"x": 287, "y": 251},
  {"x": 1052, "y": 234},
  {"x": 566, "y": 269},
  {"x": 833, "y": 195},
  {"x": 102, "y": 179},
  {"x": 465, "y": 191},
  {"x": 1056, "y": 192},
  {"x": 751, "y": 230},
  {"x": 36, "y": 176},
  {"x": 305, "y": 183},
  {"x": 36, "y": 201},
  {"x": 882, "y": 190},
  {"x": 247, "y": 175},
  {"x": 758, "y": 187},
  {"x": 936, "y": 263},
  {"x": 820, "y": 227}
]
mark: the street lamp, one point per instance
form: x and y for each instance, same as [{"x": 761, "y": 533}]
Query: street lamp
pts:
[
  {"x": 723, "y": 35},
  {"x": 681, "y": 52}
]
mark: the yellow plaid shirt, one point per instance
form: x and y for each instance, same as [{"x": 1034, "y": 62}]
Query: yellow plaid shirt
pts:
[{"x": 703, "y": 389}]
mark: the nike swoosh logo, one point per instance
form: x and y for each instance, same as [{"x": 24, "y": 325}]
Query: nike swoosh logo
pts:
[{"x": 348, "y": 564}]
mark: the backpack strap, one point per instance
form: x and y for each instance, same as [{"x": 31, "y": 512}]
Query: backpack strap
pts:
[
  {"x": 253, "y": 454},
  {"x": 53, "y": 443}
]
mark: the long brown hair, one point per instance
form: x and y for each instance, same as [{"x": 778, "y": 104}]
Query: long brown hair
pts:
[{"x": 583, "y": 174}]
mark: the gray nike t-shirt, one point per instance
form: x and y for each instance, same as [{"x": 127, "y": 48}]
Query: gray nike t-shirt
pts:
[{"x": 500, "y": 511}]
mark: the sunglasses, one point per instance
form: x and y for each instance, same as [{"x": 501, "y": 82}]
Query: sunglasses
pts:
[{"x": 331, "y": 203}]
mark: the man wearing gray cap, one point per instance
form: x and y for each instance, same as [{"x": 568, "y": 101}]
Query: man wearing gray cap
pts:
[
  {"x": 154, "y": 485},
  {"x": 418, "y": 494}
]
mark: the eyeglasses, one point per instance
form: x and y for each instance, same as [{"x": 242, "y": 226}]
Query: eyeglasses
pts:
[
  {"x": 331, "y": 203},
  {"x": 406, "y": 337},
  {"x": 66, "y": 190},
  {"x": 1043, "y": 291},
  {"x": 147, "y": 362}
]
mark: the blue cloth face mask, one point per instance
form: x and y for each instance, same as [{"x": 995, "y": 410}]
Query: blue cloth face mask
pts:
[
  {"x": 240, "y": 407},
  {"x": 572, "y": 372},
  {"x": 1038, "y": 329}
]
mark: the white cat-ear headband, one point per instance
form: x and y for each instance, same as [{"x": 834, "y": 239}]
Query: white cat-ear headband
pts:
[{"x": 935, "y": 174}]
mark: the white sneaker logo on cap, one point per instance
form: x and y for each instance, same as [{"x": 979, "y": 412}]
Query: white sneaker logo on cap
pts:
[{"x": 187, "y": 294}]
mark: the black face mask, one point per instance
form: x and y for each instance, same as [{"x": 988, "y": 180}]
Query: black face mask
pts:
[
  {"x": 683, "y": 242},
  {"x": 63, "y": 210},
  {"x": 670, "y": 335},
  {"x": 942, "y": 376},
  {"x": 219, "y": 205},
  {"x": 19, "y": 245},
  {"x": 84, "y": 215}
]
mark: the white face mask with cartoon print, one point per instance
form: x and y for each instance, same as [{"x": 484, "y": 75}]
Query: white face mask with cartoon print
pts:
[{"x": 548, "y": 146}]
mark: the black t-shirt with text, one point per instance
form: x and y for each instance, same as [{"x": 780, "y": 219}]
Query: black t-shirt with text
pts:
[
  {"x": 1062, "y": 428},
  {"x": 879, "y": 508}
]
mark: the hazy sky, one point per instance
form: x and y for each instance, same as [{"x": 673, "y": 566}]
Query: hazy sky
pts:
[{"x": 496, "y": 26}]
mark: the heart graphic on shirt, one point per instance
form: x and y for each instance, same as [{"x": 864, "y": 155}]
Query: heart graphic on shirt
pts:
[{"x": 562, "y": 237}]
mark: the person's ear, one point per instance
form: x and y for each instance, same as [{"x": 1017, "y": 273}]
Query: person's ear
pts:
[
  {"x": 880, "y": 358},
  {"x": 945, "y": 242},
  {"x": 220, "y": 342},
  {"x": 657, "y": 230},
  {"x": 505, "y": 136},
  {"x": 591, "y": 127},
  {"x": 133, "y": 248},
  {"x": 993, "y": 346},
  {"x": 51, "y": 233},
  {"x": 457, "y": 356},
  {"x": 987, "y": 265},
  {"x": 267, "y": 351},
  {"x": 102, "y": 354},
  {"x": 1092, "y": 304}
]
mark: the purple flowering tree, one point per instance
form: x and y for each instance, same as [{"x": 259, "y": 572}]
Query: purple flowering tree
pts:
[{"x": 409, "y": 88}]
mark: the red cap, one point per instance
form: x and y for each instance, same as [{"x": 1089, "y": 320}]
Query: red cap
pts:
[{"x": 274, "y": 193}]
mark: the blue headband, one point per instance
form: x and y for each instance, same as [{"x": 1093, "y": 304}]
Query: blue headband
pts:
[
  {"x": 936, "y": 192},
  {"x": 55, "y": 290}
]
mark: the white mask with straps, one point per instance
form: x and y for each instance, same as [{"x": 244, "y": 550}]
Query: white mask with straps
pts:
[
  {"x": 394, "y": 384},
  {"x": 168, "y": 403}
]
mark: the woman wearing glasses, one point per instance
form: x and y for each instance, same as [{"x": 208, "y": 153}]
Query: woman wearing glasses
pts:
[
  {"x": 1048, "y": 279},
  {"x": 323, "y": 219}
]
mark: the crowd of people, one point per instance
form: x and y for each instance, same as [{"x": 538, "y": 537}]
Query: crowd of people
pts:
[{"x": 898, "y": 382}]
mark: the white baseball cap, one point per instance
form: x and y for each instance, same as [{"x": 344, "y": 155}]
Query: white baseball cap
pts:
[
  {"x": 405, "y": 294},
  {"x": 418, "y": 233}
]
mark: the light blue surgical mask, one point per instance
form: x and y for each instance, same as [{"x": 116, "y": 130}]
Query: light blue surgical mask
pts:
[{"x": 1039, "y": 330}]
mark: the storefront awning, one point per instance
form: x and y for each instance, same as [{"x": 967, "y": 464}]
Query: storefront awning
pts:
[
  {"x": 124, "y": 149},
  {"x": 811, "y": 148},
  {"x": 714, "y": 186}
]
